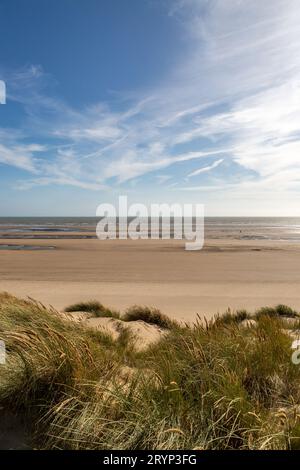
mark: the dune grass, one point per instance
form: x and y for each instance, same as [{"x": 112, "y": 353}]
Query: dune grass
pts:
[
  {"x": 209, "y": 385},
  {"x": 239, "y": 316},
  {"x": 230, "y": 317},
  {"x": 278, "y": 311},
  {"x": 149, "y": 315},
  {"x": 94, "y": 307}
]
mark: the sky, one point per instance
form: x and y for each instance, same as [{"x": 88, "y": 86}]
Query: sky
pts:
[{"x": 165, "y": 101}]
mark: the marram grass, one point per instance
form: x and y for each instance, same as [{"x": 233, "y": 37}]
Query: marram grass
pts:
[{"x": 214, "y": 385}]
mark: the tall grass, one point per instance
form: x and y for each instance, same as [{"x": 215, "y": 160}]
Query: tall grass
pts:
[{"x": 204, "y": 386}]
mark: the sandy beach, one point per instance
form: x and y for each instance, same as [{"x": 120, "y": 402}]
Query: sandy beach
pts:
[{"x": 225, "y": 274}]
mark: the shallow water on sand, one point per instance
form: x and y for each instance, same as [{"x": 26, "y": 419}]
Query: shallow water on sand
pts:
[{"x": 25, "y": 247}]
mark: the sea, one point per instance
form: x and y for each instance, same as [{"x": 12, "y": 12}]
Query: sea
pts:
[{"x": 238, "y": 228}]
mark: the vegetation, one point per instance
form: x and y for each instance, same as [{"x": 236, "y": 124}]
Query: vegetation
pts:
[
  {"x": 239, "y": 316},
  {"x": 149, "y": 315},
  {"x": 233, "y": 317},
  {"x": 278, "y": 311},
  {"x": 94, "y": 307},
  {"x": 211, "y": 385}
]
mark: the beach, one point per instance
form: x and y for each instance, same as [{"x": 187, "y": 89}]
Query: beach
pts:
[{"x": 227, "y": 273}]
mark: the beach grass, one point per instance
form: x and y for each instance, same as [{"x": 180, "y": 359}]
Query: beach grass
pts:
[
  {"x": 210, "y": 385},
  {"x": 94, "y": 307},
  {"x": 230, "y": 317},
  {"x": 278, "y": 311},
  {"x": 150, "y": 315}
]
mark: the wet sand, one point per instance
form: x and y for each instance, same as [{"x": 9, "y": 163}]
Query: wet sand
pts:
[{"x": 160, "y": 273}]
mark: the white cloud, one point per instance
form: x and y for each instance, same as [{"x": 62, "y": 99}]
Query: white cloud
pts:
[
  {"x": 205, "y": 169},
  {"x": 163, "y": 178},
  {"x": 62, "y": 181},
  {"x": 17, "y": 156},
  {"x": 14, "y": 152}
]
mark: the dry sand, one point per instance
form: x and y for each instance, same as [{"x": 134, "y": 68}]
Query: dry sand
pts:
[
  {"x": 143, "y": 333},
  {"x": 160, "y": 273}
]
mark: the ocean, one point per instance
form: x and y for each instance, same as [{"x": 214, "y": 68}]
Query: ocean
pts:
[{"x": 242, "y": 228}]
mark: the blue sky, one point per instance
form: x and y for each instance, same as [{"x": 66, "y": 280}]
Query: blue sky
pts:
[{"x": 162, "y": 100}]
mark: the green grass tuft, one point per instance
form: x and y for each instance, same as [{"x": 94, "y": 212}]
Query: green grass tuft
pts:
[
  {"x": 94, "y": 307},
  {"x": 148, "y": 315},
  {"x": 278, "y": 311},
  {"x": 232, "y": 317}
]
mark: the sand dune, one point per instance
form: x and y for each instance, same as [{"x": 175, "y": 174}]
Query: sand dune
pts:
[{"x": 143, "y": 333}]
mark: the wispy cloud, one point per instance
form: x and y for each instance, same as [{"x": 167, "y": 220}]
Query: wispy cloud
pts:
[
  {"x": 205, "y": 169},
  {"x": 14, "y": 152}
]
